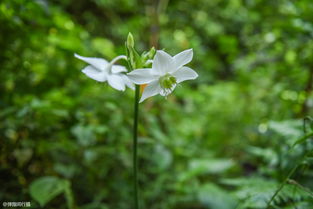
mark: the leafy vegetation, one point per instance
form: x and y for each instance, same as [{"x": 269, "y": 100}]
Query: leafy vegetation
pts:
[{"x": 230, "y": 139}]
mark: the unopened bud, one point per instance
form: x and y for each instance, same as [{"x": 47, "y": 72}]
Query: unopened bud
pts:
[
  {"x": 152, "y": 53},
  {"x": 130, "y": 41}
]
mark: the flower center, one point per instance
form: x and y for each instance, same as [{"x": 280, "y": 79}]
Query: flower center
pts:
[{"x": 167, "y": 81}]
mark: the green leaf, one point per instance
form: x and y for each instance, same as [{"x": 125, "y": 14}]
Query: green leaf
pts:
[
  {"x": 85, "y": 134},
  {"x": 46, "y": 188},
  {"x": 213, "y": 166},
  {"x": 214, "y": 197},
  {"x": 302, "y": 139},
  {"x": 198, "y": 167},
  {"x": 291, "y": 129}
]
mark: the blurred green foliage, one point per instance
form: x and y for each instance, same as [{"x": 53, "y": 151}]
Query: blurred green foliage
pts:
[{"x": 220, "y": 142}]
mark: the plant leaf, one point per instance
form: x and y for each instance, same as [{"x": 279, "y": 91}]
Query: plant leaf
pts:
[{"x": 46, "y": 188}]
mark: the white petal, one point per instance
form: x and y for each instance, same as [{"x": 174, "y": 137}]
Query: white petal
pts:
[
  {"x": 142, "y": 76},
  {"x": 184, "y": 73},
  {"x": 163, "y": 62},
  {"x": 118, "y": 58},
  {"x": 118, "y": 69},
  {"x": 149, "y": 62},
  {"x": 116, "y": 82},
  {"x": 165, "y": 92},
  {"x": 151, "y": 89},
  {"x": 128, "y": 82},
  {"x": 183, "y": 58},
  {"x": 95, "y": 74},
  {"x": 98, "y": 63}
]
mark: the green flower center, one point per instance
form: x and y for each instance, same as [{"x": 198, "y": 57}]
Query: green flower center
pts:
[{"x": 167, "y": 81}]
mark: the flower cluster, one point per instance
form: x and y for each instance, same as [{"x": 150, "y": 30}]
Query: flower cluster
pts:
[{"x": 162, "y": 78}]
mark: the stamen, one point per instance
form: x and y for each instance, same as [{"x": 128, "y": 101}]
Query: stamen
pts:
[{"x": 167, "y": 82}]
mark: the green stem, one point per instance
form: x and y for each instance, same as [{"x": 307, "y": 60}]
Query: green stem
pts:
[
  {"x": 291, "y": 172},
  {"x": 135, "y": 145},
  {"x": 282, "y": 185}
]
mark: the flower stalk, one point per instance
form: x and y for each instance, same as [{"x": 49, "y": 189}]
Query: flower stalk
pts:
[
  {"x": 132, "y": 63},
  {"x": 135, "y": 146}
]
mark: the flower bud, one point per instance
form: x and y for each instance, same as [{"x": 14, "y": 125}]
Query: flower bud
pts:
[
  {"x": 130, "y": 41},
  {"x": 151, "y": 53}
]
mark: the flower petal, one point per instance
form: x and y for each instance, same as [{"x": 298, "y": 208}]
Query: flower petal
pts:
[
  {"x": 116, "y": 82},
  {"x": 98, "y": 63},
  {"x": 128, "y": 82},
  {"x": 163, "y": 62},
  {"x": 149, "y": 61},
  {"x": 95, "y": 74},
  {"x": 183, "y": 58},
  {"x": 151, "y": 89},
  {"x": 184, "y": 73},
  {"x": 118, "y": 69},
  {"x": 142, "y": 76}
]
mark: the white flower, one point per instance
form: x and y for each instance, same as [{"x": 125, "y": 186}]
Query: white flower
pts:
[
  {"x": 102, "y": 70},
  {"x": 166, "y": 72}
]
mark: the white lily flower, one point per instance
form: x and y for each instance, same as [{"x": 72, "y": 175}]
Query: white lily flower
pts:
[
  {"x": 165, "y": 74},
  {"x": 102, "y": 70}
]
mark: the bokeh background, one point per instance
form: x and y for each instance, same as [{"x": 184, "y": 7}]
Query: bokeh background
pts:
[{"x": 222, "y": 141}]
